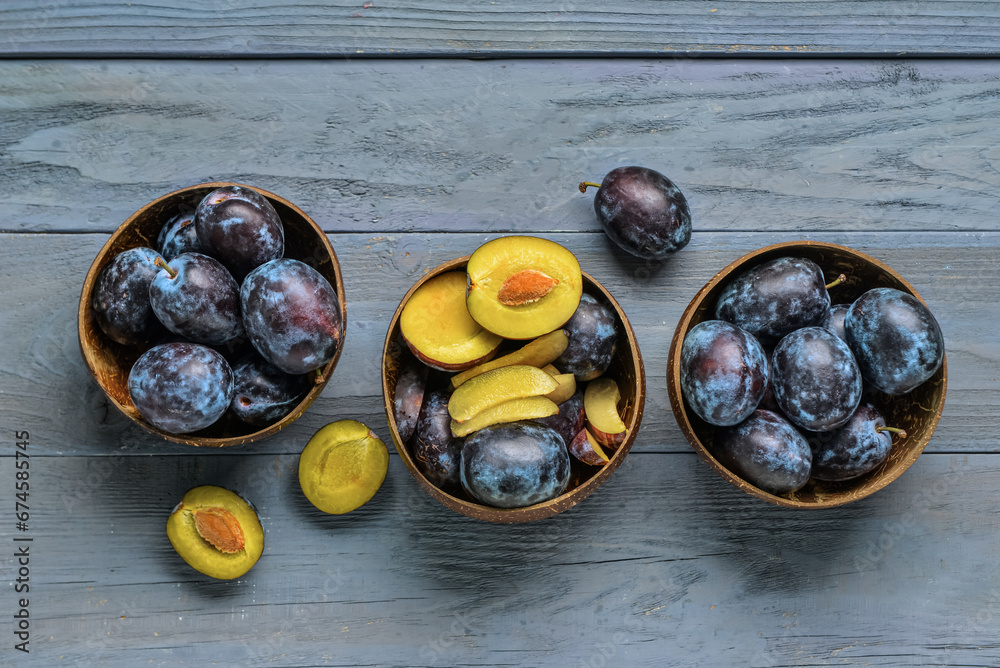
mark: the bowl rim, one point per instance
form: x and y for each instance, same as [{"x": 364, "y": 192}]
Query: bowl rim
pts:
[
  {"x": 537, "y": 511},
  {"x": 680, "y": 411},
  {"x": 85, "y": 322}
]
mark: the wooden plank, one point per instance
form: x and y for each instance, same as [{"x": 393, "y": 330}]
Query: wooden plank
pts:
[
  {"x": 794, "y": 147},
  {"x": 666, "y": 565},
  {"x": 359, "y": 28},
  {"x": 45, "y": 386}
]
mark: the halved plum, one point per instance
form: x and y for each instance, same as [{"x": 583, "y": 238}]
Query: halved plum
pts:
[
  {"x": 438, "y": 329},
  {"x": 523, "y": 287}
]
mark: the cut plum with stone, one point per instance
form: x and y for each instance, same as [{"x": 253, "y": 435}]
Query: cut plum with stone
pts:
[
  {"x": 766, "y": 451},
  {"x": 723, "y": 372},
  {"x": 194, "y": 296},
  {"x": 263, "y": 393},
  {"x": 514, "y": 465},
  {"x": 436, "y": 451},
  {"x": 642, "y": 211},
  {"x": 775, "y": 298},
  {"x": 522, "y": 287},
  {"x": 240, "y": 228},
  {"x": 816, "y": 380},
  {"x": 342, "y": 467},
  {"x": 437, "y": 328},
  {"x": 855, "y": 448},
  {"x": 408, "y": 398},
  {"x": 216, "y": 532},
  {"x": 592, "y": 340},
  {"x": 181, "y": 387},
  {"x": 179, "y": 235},
  {"x": 292, "y": 315},
  {"x": 895, "y": 338},
  {"x": 121, "y": 297}
]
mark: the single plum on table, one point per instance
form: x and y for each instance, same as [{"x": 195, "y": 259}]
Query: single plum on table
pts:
[
  {"x": 854, "y": 449},
  {"x": 895, "y": 338},
  {"x": 514, "y": 464},
  {"x": 723, "y": 372},
  {"x": 292, "y": 315},
  {"x": 194, "y": 296},
  {"x": 816, "y": 381},
  {"x": 263, "y": 393},
  {"x": 239, "y": 227},
  {"x": 765, "y": 450},
  {"x": 179, "y": 235},
  {"x": 592, "y": 340},
  {"x": 181, "y": 387},
  {"x": 642, "y": 211},
  {"x": 121, "y": 297}
]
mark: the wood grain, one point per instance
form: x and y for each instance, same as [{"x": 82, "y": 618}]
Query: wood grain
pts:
[
  {"x": 666, "y": 565},
  {"x": 46, "y": 385},
  {"x": 792, "y": 147},
  {"x": 172, "y": 28}
]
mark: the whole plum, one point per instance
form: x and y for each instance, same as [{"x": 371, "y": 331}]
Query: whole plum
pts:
[
  {"x": 121, "y": 296},
  {"x": 834, "y": 320},
  {"x": 766, "y": 451},
  {"x": 642, "y": 211},
  {"x": 514, "y": 464},
  {"x": 292, "y": 315},
  {"x": 775, "y": 298},
  {"x": 723, "y": 372},
  {"x": 179, "y": 235},
  {"x": 240, "y": 228},
  {"x": 895, "y": 338},
  {"x": 592, "y": 340},
  {"x": 570, "y": 419},
  {"x": 816, "y": 381},
  {"x": 855, "y": 448},
  {"x": 263, "y": 393},
  {"x": 194, "y": 296},
  {"x": 409, "y": 397},
  {"x": 181, "y": 387},
  {"x": 436, "y": 451}
]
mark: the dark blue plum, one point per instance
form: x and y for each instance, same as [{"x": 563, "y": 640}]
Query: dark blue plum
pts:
[
  {"x": 121, "y": 297},
  {"x": 181, "y": 387},
  {"x": 436, "y": 451},
  {"x": 409, "y": 397},
  {"x": 514, "y": 464},
  {"x": 240, "y": 228},
  {"x": 816, "y": 381},
  {"x": 592, "y": 340},
  {"x": 292, "y": 315},
  {"x": 834, "y": 320},
  {"x": 643, "y": 212},
  {"x": 570, "y": 419},
  {"x": 768, "y": 402},
  {"x": 177, "y": 236},
  {"x": 895, "y": 338},
  {"x": 263, "y": 393},
  {"x": 723, "y": 372},
  {"x": 775, "y": 298},
  {"x": 196, "y": 297},
  {"x": 854, "y": 449},
  {"x": 766, "y": 451}
]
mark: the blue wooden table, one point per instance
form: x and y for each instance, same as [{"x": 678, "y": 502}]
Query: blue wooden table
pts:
[{"x": 412, "y": 132}]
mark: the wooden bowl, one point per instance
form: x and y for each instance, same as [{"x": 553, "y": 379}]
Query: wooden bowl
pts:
[
  {"x": 917, "y": 412},
  {"x": 109, "y": 362},
  {"x": 626, "y": 369}
]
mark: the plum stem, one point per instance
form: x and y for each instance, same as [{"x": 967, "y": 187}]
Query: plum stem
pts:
[
  {"x": 588, "y": 184},
  {"x": 318, "y": 376},
  {"x": 165, "y": 267},
  {"x": 893, "y": 430},
  {"x": 840, "y": 279}
]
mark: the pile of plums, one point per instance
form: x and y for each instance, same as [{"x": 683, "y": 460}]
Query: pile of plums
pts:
[
  {"x": 788, "y": 379},
  {"x": 217, "y": 279},
  {"x": 501, "y": 392}
]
